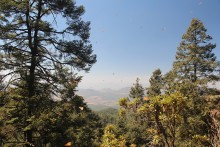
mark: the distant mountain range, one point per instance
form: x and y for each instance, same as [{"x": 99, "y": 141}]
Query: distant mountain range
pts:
[{"x": 103, "y": 98}]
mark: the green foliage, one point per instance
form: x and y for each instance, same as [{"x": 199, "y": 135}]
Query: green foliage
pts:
[
  {"x": 108, "y": 116},
  {"x": 195, "y": 67},
  {"x": 38, "y": 104},
  {"x": 180, "y": 107},
  {"x": 195, "y": 59},
  {"x": 110, "y": 139},
  {"x": 67, "y": 121},
  {"x": 137, "y": 91},
  {"x": 39, "y": 59},
  {"x": 123, "y": 102},
  {"x": 156, "y": 84},
  {"x": 168, "y": 114},
  {"x": 132, "y": 123}
]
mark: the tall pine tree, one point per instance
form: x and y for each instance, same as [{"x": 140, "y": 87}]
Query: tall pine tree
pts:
[
  {"x": 33, "y": 47},
  {"x": 194, "y": 68},
  {"x": 195, "y": 59}
]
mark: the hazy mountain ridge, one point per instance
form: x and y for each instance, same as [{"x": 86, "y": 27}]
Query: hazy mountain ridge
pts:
[{"x": 105, "y": 97}]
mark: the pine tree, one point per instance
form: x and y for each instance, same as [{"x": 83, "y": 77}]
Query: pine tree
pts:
[
  {"x": 131, "y": 119},
  {"x": 137, "y": 90},
  {"x": 195, "y": 66},
  {"x": 68, "y": 121},
  {"x": 32, "y": 49},
  {"x": 195, "y": 59},
  {"x": 156, "y": 84}
]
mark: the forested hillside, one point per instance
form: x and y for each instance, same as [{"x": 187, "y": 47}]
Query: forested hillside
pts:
[{"x": 39, "y": 64}]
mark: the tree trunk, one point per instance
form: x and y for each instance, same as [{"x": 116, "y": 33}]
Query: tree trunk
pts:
[
  {"x": 33, "y": 45},
  {"x": 195, "y": 73}
]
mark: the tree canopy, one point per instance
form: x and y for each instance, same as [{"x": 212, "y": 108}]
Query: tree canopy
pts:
[
  {"x": 195, "y": 59},
  {"x": 42, "y": 44}
]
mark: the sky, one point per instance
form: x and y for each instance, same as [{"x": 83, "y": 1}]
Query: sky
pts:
[{"x": 132, "y": 38}]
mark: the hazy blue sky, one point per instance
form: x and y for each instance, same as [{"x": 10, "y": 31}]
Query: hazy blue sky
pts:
[{"x": 132, "y": 38}]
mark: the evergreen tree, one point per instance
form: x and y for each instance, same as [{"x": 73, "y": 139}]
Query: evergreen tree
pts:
[
  {"x": 156, "y": 84},
  {"x": 195, "y": 66},
  {"x": 32, "y": 49},
  {"x": 70, "y": 121},
  {"x": 170, "y": 82},
  {"x": 195, "y": 59},
  {"x": 137, "y": 90},
  {"x": 131, "y": 121}
]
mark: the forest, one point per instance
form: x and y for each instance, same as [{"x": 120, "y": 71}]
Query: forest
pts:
[{"x": 38, "y": 72}]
